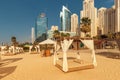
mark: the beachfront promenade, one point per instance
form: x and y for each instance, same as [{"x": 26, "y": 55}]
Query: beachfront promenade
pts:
[{"x": 34, "y": 67}]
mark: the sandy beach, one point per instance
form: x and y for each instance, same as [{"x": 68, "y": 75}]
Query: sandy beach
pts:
[{"x": 34, "y": 67}]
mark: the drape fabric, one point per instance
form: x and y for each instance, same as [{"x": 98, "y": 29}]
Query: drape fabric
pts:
[
  {"x": 57, "y": 47},
  {"x": 65, "y": 46},
  {"x": 90, "y": 45}
]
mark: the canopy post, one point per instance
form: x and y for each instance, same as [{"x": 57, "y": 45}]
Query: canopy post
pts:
[
  {"x": 38, "y": 48},
  {"x": 94, "y": 58},
  {"x": 65, "y": 63},
  {"x": 65, "y": 46}
]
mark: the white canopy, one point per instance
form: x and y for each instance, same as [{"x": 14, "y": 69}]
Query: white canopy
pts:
[
  {"x": 65, "y": 46},
  {"x": 48, "y": 41}
]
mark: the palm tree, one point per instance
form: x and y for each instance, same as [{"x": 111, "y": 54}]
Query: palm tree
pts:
[
  {"x": 117, "y": 35},
  {"x": 14, "y": 41},
  {"x": 85, "y": 25},
  {"x": 56, "y": 34},
  {"x": 110, "y": 35},
  {"x": 63, "y": 35},
  {"x": 67, "y": 34}
]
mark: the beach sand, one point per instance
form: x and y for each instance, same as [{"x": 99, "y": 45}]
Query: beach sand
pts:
[{"x": 34, "y": 67}]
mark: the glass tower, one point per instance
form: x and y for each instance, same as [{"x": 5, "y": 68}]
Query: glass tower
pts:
[
  {"x": 65, "y": 19},
  {"x": 41, "y": 27}
]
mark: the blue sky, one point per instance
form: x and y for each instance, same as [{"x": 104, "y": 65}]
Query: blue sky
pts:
[{"x": 18, "y": 16}]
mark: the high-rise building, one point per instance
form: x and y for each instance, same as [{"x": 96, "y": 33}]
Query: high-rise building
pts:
[
  {"x": 102, "y": 20},
  {"x": 110, "y": 20},
  {"x": 32, "y": 35},
  {"x": 106, "y": 20},
  {"x": 91, "y": 12},
  {"x": 117, "y": 10},
  {"x": 74, "y": 22},
  {"x": 65, "y": 19},
  {"x": 41, "y": 27}
]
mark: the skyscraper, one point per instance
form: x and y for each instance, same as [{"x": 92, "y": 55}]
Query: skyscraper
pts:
[
  {"x": 102, "y": 20},
  {"x": 110, "y": 20},
  {"x": 91, "y": 12},
  {"x": 117, "y": 10},
  {"x": 65, "y": 19},
  {"x": 106, "y": 20},
  {"x": 32, "y": 35},
  {"x": 74, "y": 22},
  {"x": 41, "y": 27}
]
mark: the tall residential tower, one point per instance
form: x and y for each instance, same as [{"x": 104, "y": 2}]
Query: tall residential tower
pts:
[
  {"x": 117, "y": 8},
  {"x": 110, "y": 20},
  {"x": 102, "y": 21},
  {"x": 91, "y": 12},
  {"x": 74, "y": 22}
]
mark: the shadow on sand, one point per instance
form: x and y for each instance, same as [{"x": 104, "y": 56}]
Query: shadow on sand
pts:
[
  {"x": 112, "y": 55},
  {"x": 4, "y": 71},
  {"x": 8, "y": 61},
  {"x": 69, "y": 58}
]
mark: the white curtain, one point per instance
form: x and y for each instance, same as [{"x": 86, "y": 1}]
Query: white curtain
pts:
[
  {"x": 55, "y": 54},
  {"x": 90, "y": 45},
  {"x": 2, "y": 49},
  {"x": 65, "y": 46},
  {"x": 38, "y": 48},
  {"x": 30, "y": 47},
  {"x": 13, "y": 47}
]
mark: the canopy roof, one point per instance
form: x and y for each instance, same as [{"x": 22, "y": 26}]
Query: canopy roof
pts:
[{"x": 48, "y": 41}]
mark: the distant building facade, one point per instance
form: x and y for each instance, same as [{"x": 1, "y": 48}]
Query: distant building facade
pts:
[
  {"x": 106, "y": 20},
  {"x": 53, "y": 28},
  {"x": 102, "y": 21},
  {"x": 51, "y": 31},
  {"x": 74, "y": 22},
  {"x": 91, "y": 12},
  {"x": 110, "y": 20},
  {"x": 41, "y": 27},
  {"x": 50, "y": 34},
  {"x": 117, "y": 10},
  {"x": 65, "y": 19}
]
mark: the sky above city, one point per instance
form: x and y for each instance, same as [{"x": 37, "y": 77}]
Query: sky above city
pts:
[{"x": 17, "y": 17}]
